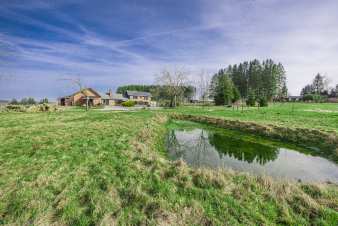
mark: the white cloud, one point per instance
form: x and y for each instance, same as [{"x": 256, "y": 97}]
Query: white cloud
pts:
[{"x": 302, "y": 35}]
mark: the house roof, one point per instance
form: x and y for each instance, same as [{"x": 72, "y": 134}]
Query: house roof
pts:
[
  {"x": 118, "y": 96},
  {"x": 138, "y": 93},
  {"x": 115, "y": 96},
  {"x": 85, "y": 92},
  {"x": 105, "y": 96}
]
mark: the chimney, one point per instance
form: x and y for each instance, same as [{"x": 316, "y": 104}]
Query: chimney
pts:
[{"x": 110, "y": 93}]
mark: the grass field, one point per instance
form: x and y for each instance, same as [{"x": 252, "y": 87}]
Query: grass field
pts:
[
  {"x": 323, "y": 116},
  {"x": 109, "y": 168}
]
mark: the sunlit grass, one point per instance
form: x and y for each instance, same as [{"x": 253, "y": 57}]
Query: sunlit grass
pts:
[
  {"x": 322, "y": 116},
  {"x": 107, "y": 168}
]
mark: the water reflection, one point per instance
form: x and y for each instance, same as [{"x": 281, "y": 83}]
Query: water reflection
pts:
[
  {"x": 200, "y": 141},
  {"x": 243, "y": 150},
  {"x": 222, "y": 149}
]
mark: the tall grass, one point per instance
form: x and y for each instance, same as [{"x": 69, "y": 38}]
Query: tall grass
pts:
[{"x": 105, "y": 168}]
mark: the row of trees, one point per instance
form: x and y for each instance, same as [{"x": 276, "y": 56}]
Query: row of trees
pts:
[
  {"x": 28, "y": 101},
  {"x": 319, "y": 90},
  {"x": 165, "y": 94},
  {"x": 172, "y": 88},
  {"x": 252, "y": 81},
  {"x": 320, "y": 86}
]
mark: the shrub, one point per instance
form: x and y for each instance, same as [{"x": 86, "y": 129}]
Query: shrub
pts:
[
  {"x": 128, "y": 103},
  {"x": 16, "y": 108},
  {"x": 32, "y": 108},
  {"x": 263, "y": 102},
  {"x": 308, "y": 97},
  {"x": 314, "y": 97},
  {"x": 42, "y": 108},
  {"x": 251, "y": 100}
]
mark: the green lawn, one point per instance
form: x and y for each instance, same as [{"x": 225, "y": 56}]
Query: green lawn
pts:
[
  {"x": 322, "y": 116},
  {"x": 108, "y": 168}
]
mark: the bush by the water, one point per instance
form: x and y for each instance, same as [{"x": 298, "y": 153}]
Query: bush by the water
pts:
[{"x": 128, "y": 103}]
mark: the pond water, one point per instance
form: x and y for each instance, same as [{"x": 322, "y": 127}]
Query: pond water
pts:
[{"x": 209, "y": 147}]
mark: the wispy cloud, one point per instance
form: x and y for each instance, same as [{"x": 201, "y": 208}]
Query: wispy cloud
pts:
[{"x": 48, "y": 42}]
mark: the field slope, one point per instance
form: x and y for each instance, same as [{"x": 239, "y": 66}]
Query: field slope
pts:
[
  {"x": 108, "y": 168},
  {"x": 323, "y": 116}
]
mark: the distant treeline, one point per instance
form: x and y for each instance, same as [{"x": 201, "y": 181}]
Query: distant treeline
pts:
[
  {"x": 253, "y": 81},
  {"x": 141, "y": 88},
  {"x": 158, "y": 92},
  {"x": 28, "y": 101},
  {"x": 320, "y": 86},
  {"x": 319, "y": 90}
]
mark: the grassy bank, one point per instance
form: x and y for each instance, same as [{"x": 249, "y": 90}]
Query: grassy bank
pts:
[
  {"x": 321, "y": 116},
  {"x": 106, "y": 168},
  {"x": 323, "y": 143}
]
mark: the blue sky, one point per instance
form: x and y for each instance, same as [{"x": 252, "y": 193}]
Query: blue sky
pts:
[{"x": 111, "y": 43}]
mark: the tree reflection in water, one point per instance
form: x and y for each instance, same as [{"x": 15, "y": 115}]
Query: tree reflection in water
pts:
[
  {"x": 200, "y": 142},
  {"x": 243, "y": 150},
  {"x": 218, "y": 148}
]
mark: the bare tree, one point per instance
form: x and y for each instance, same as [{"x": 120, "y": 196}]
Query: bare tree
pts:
[
  {"x": 326, "y": 82},
  {"x": 77, "y": 82},
  {"x": 174, "y": 82},
  {"x": 203, "y": 85}
]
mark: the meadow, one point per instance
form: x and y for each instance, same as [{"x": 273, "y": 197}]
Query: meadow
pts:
[
  {"x": 321, "y": 116},
  {"x": 110, "y": 168}
]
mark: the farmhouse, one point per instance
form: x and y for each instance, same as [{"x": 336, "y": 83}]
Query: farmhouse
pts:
[
  {"x": 112, "y": 99},
  {"x": 95, "y": 98},
  {"x": 80, "y": 98},
  {"x": 143, "y": 98}
]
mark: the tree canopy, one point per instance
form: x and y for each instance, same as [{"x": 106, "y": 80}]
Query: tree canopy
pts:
[{"x": 266, "y": 80}]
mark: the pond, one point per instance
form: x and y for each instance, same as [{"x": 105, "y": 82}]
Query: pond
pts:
[{"x": 203, "y": 146}]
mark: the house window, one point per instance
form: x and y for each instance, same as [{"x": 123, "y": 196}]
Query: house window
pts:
[
  {"x": 134, "y": 97},
  {"x": 146, "y": 98}
]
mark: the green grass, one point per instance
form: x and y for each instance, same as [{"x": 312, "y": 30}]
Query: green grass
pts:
[
  {"x": 323, "y": 116},
  {"x": 106, "y": 168}
]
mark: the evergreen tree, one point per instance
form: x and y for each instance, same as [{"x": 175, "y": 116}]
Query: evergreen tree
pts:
[
  {"x": 24, "y": 101},
  {"x": 31, "y": 101},
  {"x": 236, "y": 94},
  {"x": 264, "y": 80},
  {"x": 44, "y": 101},
  {"x": 251, "y": 99},
  {"x": 14, "y": 101},
  {"x": 318, "y": 84},
  {"x": 308, "y": 89},
  {"x": 222, "y": 88},
  {"x": 228, "y": 88}
]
